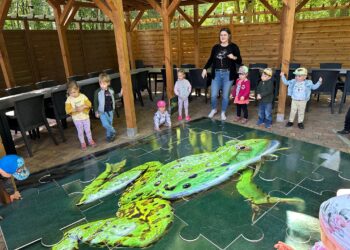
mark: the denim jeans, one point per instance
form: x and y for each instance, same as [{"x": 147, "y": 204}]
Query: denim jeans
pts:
[
  {"x": 221, "y": 81},
  {"x": 107, "y": 122},
  {"x": 265, "y": 114}
]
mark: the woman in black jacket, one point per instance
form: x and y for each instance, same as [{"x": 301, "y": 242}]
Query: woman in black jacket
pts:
[{"x": 223, "y": 59}]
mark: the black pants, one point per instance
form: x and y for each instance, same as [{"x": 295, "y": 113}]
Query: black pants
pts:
[
  {"x": 347, "y": 121},
  {"x": 243, "y": 107}
]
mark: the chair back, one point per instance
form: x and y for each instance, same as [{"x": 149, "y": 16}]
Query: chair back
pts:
[
  {"x": 116, "y": 85},
  {"x": 347, "y": 83},
  {"x": 30, "y": 112},
  {"x": 139, "y": 64},
  {"x": 187, "y": 66},
  {"x": 89, "y": 90},
  {"x": 258, "y": 65},
  {"x": 76, "y": 78},
  {"x": 254, "y": 77},
  {"x": 19, "y": 89},
  {"x": 330, "y": 65},
  {"x": 58, "y": 100},
  {"x": 142, "y": 80},
  {"x": 196, "y": 79},
  {"x": 329, "y": 78},
  {"x": 294, "y": 65},
  {"x": 164, "y": 75},
  {"x": 276, "y": 78},
  {"x": 46, "y": 84},
  {"x": 94, "y": 74},
  {"x": 109, "y": 71},
  {"x": 174, "y": 66}
]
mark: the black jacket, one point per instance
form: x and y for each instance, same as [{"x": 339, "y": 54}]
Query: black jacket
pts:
[
  {"x": 265, "y": 89},
  {"x": 233, "y": 48}
]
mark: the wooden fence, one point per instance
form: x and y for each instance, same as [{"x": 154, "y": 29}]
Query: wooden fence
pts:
[{"x": 35, "y": 55}]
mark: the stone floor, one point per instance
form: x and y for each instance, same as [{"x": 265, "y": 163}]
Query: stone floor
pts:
[{"x": 320, "y": 128}]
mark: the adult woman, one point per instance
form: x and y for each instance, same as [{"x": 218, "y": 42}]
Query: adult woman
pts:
[{"x": 223, "y": 59}]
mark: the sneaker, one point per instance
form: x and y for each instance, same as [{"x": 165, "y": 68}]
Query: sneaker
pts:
[
  {"x": 83, "y": 146},
  {"x": 268, "y": 126},
  {"x": 112, "y": 138},
  {"x": 179, "y": 118},
  {"x": 212, "y": 113},
  {"x": 289, "y": 124},
  {"x": 223, "y": 116},
  {"x": 92, "y": 143},
  {"x": 301, "y": 125},
  {"x": 343, "y": 132},
  {"x": 188, "y": 118},
  {"x": 244, "y": 121},
  {"x": 236, "y": 119},
  {"x": 260, "y": 124}
]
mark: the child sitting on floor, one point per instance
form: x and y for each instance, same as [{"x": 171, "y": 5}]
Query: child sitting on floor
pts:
[{"x": 161, "y": 117}]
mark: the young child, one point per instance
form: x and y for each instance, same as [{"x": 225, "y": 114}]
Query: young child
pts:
[
  {"x": 240, "y": 93},
  {"x": 264, "y": 92},
  {"x": 182, "y": 89},
  {"x": 104, "y": 105},
  {"x": 300, "y": 90},
  {"x": 78, "y": 106},
  {"x": 12, "y": 165},
  {"x": 161, "y": 117}
]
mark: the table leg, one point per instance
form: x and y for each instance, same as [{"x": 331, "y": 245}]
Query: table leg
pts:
[{"x": 6, "y": 136}]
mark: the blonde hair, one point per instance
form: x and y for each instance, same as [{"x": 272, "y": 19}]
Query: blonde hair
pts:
[
  {"x": 104, "y": 77},
  {"x": 181, "y": 71},
  {"x": 72, "y": 85}
]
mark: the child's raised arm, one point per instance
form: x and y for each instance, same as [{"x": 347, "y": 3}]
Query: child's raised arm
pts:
[{"x": 283, "y": 78}]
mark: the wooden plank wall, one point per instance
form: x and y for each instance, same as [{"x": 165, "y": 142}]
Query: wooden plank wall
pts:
[{"x": 314, "y": 42}]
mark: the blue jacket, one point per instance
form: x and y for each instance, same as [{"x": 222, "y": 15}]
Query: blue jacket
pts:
[
  {"x": 308, "y": 87},
  {"x": 99, "y": 100}
]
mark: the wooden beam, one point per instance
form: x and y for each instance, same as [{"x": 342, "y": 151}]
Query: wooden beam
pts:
[
  {"x": 179, "y": 43},
  {"x": 173, "y": 6},
  {"x": 271, "y": 9},
  {"x": 66, "y": 11},
  {"x": 187, "y": 18},
  {"x": 4, "y": 8},
  {"x": 155, "y": 6},
  {"x": 129, "y": 39},
  {"x": 301, "y": 5},
  {"x": 124, "y": 64},
  {"x": 104, "y": 7},
  {"x": 136, "y": 20},
  {"x": 210, "y": 10},
  {"x": 86, "y": 5},
  {"x": 289, "y": 11},
  {"x": 30, "y": 49},
  {"x": 196, "y": 34}
]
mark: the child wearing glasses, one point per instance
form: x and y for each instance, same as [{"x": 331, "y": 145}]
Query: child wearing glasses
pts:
[{"x": 300, "y": 90}]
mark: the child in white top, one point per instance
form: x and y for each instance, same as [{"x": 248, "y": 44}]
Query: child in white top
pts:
[
  {"x": 161, "y": 117},
  {"x": 182, "y": 89}
]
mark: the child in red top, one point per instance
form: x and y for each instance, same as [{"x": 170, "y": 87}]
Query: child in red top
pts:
[{"x": 240, "y": 93}]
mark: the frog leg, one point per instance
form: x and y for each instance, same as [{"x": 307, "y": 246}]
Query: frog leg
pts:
[{"x": 138, "y": 224}]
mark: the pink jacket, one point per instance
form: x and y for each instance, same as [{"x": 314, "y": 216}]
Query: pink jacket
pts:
[{"x": 243, "y": 91}]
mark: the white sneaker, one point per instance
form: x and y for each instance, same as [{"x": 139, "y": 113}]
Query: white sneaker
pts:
[
  {"x": 212, "y": 113},
  {"x": 223, "y": 116}
]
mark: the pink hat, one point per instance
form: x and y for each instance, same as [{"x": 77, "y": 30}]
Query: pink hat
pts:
[{"x": 161, "y": 104}]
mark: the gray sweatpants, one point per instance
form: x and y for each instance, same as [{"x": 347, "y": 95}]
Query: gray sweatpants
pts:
[{"x": 183, "y": 103}]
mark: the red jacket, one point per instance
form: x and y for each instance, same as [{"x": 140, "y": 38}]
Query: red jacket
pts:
[{"x": 244, "y": 90}]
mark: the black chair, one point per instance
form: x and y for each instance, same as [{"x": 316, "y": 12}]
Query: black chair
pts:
[
  {"x": 94, "y": 74},
  {"x": 164, "y": 80},
  {"x": 329, "y": 78},
  {"x": 109, "y": 71},
  {"x": 116, "y": 85},
  {"x": 142, "y": 83},
  {"x": 19, "y": 89},
  {"x": 139, "y": 64},
  {"x": 58, "y": 100},
  {"x": 198, "y": 82},
  {"x": 89, "y": 91},
  {"x": 174, "y": 66},
  {"x": 254, "y": 77},
  {"x": 76, "y": 78},
  {"x": 30, "y": 114},
  {"x": 46, "y": 84},
  {"x": 187, "y": 66},
  {"x": 330, "y": 65},
  {"x": 345, "y": 91},
  {"x": 258, "y": 65}
]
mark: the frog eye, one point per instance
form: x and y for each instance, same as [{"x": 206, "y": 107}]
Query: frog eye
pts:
[{"x": 242, "y": 148}]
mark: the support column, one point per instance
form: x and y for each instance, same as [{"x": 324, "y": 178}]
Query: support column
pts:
[
  {"x": 196, "y": 35},
  {"x": 129, "y": 39},
  {"x": 289, "y": 6}
]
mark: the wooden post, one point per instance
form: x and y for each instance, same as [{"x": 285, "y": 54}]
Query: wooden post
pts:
[
  {"x": 288, "y": 26},
  {"x": 4, "y": 57},
  {"x": 196, "y": 35},
  {"x": 117, "y": 14},
  {"x": 179, "y": 43},
  {"x": 32, "y": 61},
  {"x": 129, "y": 38}
]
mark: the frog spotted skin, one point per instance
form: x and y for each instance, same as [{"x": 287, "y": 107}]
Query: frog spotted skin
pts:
[{"x": 144, "y": 208}]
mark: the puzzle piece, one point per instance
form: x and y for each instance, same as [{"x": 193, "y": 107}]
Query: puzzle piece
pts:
[
  {"x": 218, "y": 216},
  {"x": 45, "y": 211}
]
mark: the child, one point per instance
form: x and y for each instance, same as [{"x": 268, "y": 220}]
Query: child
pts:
[
  {"x": 104, "y": 105},
  {"x": 264, "y": 93},
  {"x": 161, "y": 116},
  {"x": 12, "y": 165},
  {"x": 346, "y": 129},
  {"x": 300, "y": 90},
  {"x": 182, "y": 89},
  {"x": 78, "y": 106},
  {"x": 240, "y": 93}
]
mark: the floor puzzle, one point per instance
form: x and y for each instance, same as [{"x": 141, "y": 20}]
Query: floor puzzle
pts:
[{"x": 280, "y": 202}]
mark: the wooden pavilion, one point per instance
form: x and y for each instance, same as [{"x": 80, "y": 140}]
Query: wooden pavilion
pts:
[{"x": 118, "y": 12}]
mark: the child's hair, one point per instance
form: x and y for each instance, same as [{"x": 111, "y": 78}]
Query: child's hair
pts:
[
  {"x": 182, "y": 71},
  {"x": 72, "y": 85},
  {"x": 104, "y": 77}
]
